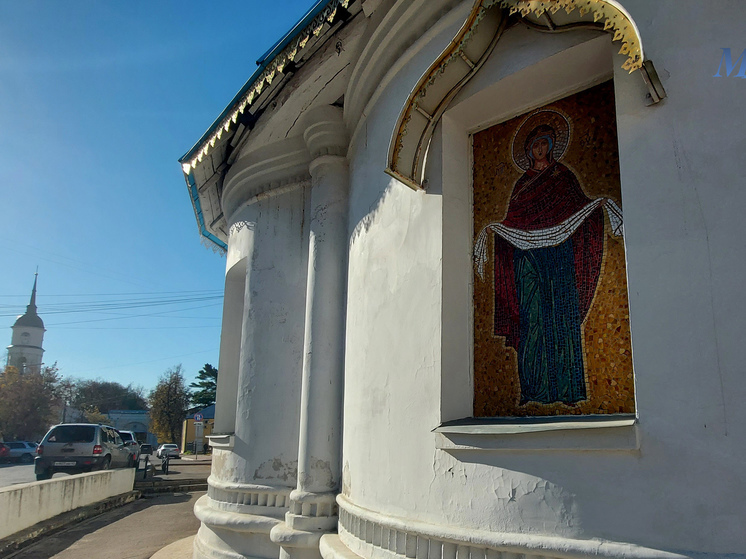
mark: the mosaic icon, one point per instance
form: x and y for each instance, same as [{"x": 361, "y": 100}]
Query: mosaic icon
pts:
[{"x": 547, "y": 261}]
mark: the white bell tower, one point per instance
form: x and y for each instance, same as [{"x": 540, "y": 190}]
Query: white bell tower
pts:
[{"x": 25, "y": 350}]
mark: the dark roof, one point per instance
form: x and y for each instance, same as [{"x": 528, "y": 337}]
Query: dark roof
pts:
[
  {"x": 30, "y": 319},
  {"x": 262, "y": 64},
  {"x": 207, "y": 413}
]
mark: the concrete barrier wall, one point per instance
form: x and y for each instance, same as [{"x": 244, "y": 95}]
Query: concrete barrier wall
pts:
[{"x": 23, "y": 505}]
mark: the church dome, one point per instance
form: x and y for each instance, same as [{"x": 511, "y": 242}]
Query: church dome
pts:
[{"x": 29, "y": 320}]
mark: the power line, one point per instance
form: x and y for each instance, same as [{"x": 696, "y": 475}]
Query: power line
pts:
[
  {"x": 119, "y": 304},
  {"x": 138, "y": 327},
  {"x": 146, "y": 362},
  {"x": 202, "y": 291},
  {"x": 129, "y": 316}
]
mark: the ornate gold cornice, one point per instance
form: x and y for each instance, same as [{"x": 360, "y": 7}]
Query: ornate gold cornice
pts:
[
  {"x": 463, "y": 57},
  {"x": 615, "y": 18},
  {"x": 459, "y": 62}
]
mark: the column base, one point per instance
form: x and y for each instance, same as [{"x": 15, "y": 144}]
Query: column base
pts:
[
  {"x": 296, "y": 544},
  {"x": 331, "y": 547},
  {"x": 233, "y": 535}
]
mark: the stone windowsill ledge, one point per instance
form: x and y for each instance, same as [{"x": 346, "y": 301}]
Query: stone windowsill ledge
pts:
[
  {"x": 223, "y": 441},
  {"x": 594, "y": 432}
]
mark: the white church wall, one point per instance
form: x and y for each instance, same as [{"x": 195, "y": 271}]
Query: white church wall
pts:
[
  {"x": 272, "y": 341},
  {"x": 680, "y": 491},
  {"x": 255, "y": 468},
  {"x": 393, "y": 313}
]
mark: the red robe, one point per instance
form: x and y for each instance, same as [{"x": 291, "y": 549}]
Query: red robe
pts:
[{"x": 544, "y": 199}]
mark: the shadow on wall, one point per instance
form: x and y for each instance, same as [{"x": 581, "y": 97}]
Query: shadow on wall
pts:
[{"x": 375, "y": 200}]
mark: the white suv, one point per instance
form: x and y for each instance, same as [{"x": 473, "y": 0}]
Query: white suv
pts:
[{"x": 130, "y": 441}]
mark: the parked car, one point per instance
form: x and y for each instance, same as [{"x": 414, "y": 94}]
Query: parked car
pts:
[
  {"x": 21, "y": 451},
  {"x": 4, "y": 453},
  {"x": 80, "y": 447},
  {"x": 171, "y": 450},
  {"x": 130, "y": 441}
]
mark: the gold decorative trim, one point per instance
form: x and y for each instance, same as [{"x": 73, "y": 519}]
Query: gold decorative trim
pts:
[
  {"x": 615, "y": 18},
  {"x": 415, "y": 125},
  {"x": 277, "y": 65},
  {"x": 486, "y": 16}
]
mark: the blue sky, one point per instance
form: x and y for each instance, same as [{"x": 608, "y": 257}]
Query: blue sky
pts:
[{"x": 98, "y": 100}]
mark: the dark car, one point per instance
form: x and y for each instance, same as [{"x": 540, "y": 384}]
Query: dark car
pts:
[
  {"x": 80, "y": 447},
  {"x": 4, "y": 453}
]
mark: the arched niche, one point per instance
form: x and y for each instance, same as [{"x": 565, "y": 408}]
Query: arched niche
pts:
[{"x": 473, "y": 44}]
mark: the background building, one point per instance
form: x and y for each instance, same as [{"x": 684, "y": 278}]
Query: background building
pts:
[
  {"x": 137, "y": 421},
  {"x": 194, "y": 436},
  {"x": 25, "y": 351},
  {"x": 483, "y": 284}
]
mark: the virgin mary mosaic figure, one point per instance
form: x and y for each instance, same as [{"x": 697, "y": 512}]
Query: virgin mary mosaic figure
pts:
[{"x": 548, "y": 256}]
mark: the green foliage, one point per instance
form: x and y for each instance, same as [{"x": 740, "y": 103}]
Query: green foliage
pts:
[
  {"x": 169, "y": 401},
  {"x": 29, "y": 402},
  {"x": 107, "y": 396},
  {"x": 205, "y": 387},
  {"x": 93, "y": 415}
]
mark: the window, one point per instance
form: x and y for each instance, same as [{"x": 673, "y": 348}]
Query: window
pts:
[
  {"x": 72, "y": 434},
  {"x": 488, "y": 112},
  {"x": 551, "y": 317}
]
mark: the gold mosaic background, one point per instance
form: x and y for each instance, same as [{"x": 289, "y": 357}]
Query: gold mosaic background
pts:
[{"x": 593, "y": 156}]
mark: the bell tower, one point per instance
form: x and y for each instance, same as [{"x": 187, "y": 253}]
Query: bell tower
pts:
[{"x": 25, "y": 350}]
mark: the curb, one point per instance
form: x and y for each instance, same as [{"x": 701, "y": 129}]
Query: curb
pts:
[
  {"x": 15, "y": 542},
  {"x": 196, "y": 460},
  {"x": 171, "y": 486}
]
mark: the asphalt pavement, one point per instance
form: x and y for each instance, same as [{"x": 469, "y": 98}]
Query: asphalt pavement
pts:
[
  {"x": 13, "y": 473},
  {"x": 135, "y": 531}
]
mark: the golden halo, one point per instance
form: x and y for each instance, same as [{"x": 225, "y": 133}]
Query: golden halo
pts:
[{"x": 559, "y": 122}]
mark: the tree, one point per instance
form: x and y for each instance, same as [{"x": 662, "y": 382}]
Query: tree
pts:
[
  {"x": 107, "y": 396},
  {"x": 205, "y": 387},
  {"x": 66, "y": 390},
  {"x": 169, "y": 401},
  {"x": 28, "y": 402},
  {"x": 93, "y": 415}
]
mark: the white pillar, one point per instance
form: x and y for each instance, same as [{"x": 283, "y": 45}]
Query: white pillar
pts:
[
  {"x": 313, "y": 508},
  {"x": 253, "y": 475}
]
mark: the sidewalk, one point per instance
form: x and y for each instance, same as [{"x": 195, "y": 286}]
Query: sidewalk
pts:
[
  {"x": 184, "y": 468},
  {"x": 135, "y": 531}
]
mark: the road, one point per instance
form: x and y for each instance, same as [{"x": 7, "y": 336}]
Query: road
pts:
[
  {"x": 134, "y": 531},
  {"x": 13, "y": 473}
]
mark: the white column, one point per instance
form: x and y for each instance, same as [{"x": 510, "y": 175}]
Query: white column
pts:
[
  {"x": 251, "y": 478},
  {"x": 313, "y": 508}
]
